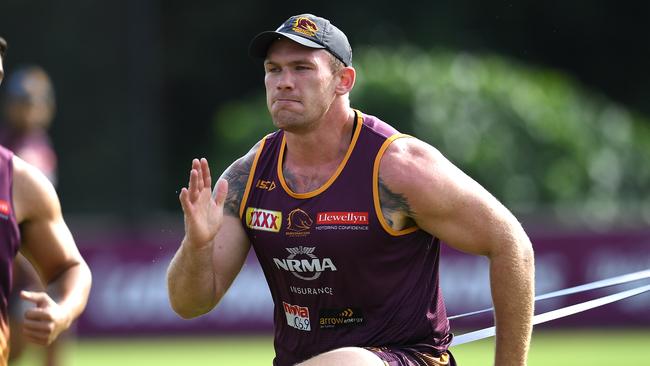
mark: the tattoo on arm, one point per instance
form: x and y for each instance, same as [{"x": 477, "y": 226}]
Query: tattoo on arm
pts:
[
  {"x": 237, "y": 177},
  {"x": 395, "y": 208}
]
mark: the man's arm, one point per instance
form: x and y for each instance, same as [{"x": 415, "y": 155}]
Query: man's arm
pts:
[
  {"x": 421, "y": 184},
  {"x": 215, "y": 245},
  {"x": 47, "y": 242}
]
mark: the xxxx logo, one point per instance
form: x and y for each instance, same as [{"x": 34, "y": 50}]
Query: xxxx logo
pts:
[{"x": 264, "y": 220}]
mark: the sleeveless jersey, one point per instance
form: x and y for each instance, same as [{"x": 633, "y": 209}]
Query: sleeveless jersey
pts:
[
  {"x": 9, "y": 244},
  {"x": 338, "y": 274}
]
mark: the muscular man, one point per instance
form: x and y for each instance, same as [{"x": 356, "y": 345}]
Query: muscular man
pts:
[
  {"x": 31, "y": 222},
  {"x": 346, "y": 216}
]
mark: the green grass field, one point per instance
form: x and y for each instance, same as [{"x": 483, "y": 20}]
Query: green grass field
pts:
[{"x": 557, "y": 348}]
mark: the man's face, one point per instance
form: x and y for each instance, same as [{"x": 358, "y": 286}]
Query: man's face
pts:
[
  {"x": 32, "y": 109},
  {"x": 300, "y": 86}
]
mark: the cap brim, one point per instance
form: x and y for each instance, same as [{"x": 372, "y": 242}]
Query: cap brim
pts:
[{"x": 260, "y": 44}]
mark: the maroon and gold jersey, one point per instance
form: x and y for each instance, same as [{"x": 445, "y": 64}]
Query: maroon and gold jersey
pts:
[
  {"x": 339, "y": 275},
  {"x": 9, "y": 244}
]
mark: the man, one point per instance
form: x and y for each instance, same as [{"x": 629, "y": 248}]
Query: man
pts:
[
  {"x": 28, "y": 107},
  {"x": 346, "y": 217},
  {"x": 31, "y": 222}
]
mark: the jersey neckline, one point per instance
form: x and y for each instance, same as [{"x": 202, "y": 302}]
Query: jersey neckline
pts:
[{"x": 339, "y": 169}]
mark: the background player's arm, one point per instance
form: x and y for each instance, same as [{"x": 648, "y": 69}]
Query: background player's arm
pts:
[
  {"x": 47, "y": 242},
  {"x": 424, "y": 186},
  {"x": 215, "y": 245}
]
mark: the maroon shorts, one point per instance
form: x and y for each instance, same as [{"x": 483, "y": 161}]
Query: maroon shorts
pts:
[{"x": 405, "y": 356}]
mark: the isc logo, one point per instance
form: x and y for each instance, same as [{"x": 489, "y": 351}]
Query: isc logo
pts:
[{"x": 265, "y": 220}]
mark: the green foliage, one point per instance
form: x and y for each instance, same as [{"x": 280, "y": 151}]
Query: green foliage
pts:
[
  {"x": 238, "y": 126},
  {"x": 533, "y": 137}
]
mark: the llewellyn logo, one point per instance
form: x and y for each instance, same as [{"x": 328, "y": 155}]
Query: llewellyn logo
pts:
[
  {"x": 298, "y": 223},
  {"x": 345, "y": 220},
  {"x": 342, "y": 218},
  {"x": 309, "y": 268},
  {"x": 264, "y": 220}
]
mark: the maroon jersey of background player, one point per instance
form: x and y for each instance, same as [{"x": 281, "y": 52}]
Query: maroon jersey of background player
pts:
[{"x": 10, "y": 239}]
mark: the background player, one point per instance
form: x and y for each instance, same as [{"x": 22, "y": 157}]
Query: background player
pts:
[
  {"x": 28, "y": 107},
  {"x": 31, "y": 221}
]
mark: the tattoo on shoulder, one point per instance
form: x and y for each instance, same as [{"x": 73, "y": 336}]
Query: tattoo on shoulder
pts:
[
  {"x": 395, "y": 208},
  {"x": 237, "y": 177}
]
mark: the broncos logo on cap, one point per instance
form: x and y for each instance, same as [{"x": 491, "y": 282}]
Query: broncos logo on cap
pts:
[
  {"x": 299, "y": 220},
  {"x": 305, "y": 26}
]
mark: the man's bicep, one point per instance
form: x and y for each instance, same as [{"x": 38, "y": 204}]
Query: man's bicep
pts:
[
  {"x": 442, "y": 199},
  {"x": 49, "y": 246},
  {"x": 45, "y": 238},
  {"x": 460, "y": 212}
]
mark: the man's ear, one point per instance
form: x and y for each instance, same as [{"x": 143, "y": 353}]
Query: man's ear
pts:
[{"x": 347, "y": 77}]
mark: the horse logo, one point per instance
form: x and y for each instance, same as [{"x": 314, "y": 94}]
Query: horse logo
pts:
[{"x": 299, "y": 221}]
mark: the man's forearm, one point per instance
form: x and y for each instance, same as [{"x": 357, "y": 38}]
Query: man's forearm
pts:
[
  {"x": 190, "y": 281},
  {"x": 512, "y": 278},
  {"x": 71, "y": 289}
]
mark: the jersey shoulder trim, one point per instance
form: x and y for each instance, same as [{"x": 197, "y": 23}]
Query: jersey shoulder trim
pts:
[
  {"x": 251, "y": 175},
  {"x": 375, "y": 189}
]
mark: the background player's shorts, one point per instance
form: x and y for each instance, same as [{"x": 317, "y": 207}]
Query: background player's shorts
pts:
[{"x": 404, "y": 356}]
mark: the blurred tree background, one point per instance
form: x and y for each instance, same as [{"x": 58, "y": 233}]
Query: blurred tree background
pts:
[{"x": 544, "y": 103}]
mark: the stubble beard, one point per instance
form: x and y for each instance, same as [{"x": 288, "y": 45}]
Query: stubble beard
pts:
[{"x": 293, "y": 122}]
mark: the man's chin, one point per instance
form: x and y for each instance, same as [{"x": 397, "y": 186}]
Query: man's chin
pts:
[{"x": 290, "y": 125}]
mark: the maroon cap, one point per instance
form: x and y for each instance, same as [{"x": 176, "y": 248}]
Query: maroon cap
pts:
[{"x": 308, "y": 30}]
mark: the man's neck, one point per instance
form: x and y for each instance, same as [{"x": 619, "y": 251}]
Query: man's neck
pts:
[
  {"x": 311, "y": 159},
  {"x": 324, "y": 145}
]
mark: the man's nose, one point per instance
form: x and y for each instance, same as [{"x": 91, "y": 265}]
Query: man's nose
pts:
[{"x": 285, "y": 80}]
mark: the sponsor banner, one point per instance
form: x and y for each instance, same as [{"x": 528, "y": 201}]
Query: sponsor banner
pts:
[
  {"x": 297, "y": 316},
  {"x": 561, "y": 261},
  {"x": 340, "y": 318},
  {"x": 264, "y": 220},
  {"x": 347, "y": 218},
  {"x": 303, "y": 264},
  {"x": 129, "y": 294},
  {"x": 350, "y": 221}
]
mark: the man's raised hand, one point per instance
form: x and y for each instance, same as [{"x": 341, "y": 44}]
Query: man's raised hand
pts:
[{"x": 203, "y": 209}]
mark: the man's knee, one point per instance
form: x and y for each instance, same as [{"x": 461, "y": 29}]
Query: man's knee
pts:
[{"x": 347, "y": 356}]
